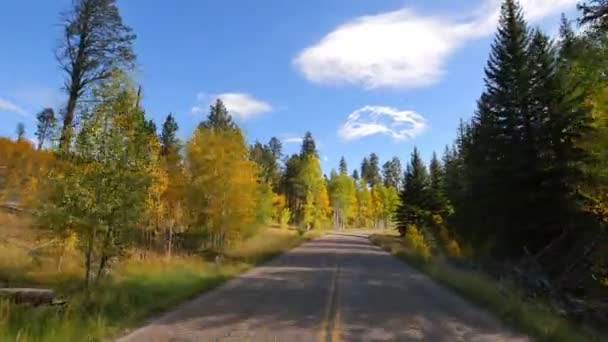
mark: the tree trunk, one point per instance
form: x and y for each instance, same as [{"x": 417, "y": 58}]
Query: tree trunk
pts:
[
  {"x": 89, "y": 258},
  {"x": 170, "y": 242},
  {"x": 104, "y": 255},
  {"x": 68, "y": 120}
]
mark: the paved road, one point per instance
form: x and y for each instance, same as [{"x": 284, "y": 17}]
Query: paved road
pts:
[{"x": 337, "y": 288}]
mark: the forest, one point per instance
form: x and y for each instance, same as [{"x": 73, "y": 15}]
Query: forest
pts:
[{"x": 521, "y": 193}]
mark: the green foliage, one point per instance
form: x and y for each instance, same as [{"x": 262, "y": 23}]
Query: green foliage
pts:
[
  {"x": 414, "y": 196},
  {"x": 316, "y": 207},
  {"x": 364, "y": 205},
  {"x": 101, "y": 194},
  {"x": 531, "y": 317},
  {"x": 218, "y": 117},
  {"x": 47, "y": 124},
  {"x": 309, "y": 147},
  {"x": 94, "y": 45},
  {"x": 370, "y": 170},
  {"x": 343, "y": 198},
  {"x": 168, "y": 138},
  {"x": 391, "y": 170},
  {"x": 343, "y": 167},
  {"x": 264, "y": 212},
  {"x": 138, "y": 289},
  {"x": 266, "y": 157}
]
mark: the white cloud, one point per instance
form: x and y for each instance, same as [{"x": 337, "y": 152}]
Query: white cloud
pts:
[
  {"x": 371, "y": 120},
  {"x": 197, "y": 110},
  {"x": 402, "y": 48},
  {"x": 239, "y": 105},
  {"x": 7, "y": 106},
  {"x": 292, "y": 140}
]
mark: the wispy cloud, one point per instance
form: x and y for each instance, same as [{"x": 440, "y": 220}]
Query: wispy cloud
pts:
[
  {"x": 240, "y": 105},
  {"x": 7, "y": 106},
  {"x": 403, "y": 48},
  {"x": 292, "y": 140},
  {"x": 38, "y": 96},
  {"x": 372, "y": 120}
]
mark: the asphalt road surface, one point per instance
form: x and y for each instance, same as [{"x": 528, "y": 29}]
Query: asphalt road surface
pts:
[{"x": 336, "y": 288}]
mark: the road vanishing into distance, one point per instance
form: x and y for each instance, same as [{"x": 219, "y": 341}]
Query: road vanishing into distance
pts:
[{"x": 336, "y": 288}]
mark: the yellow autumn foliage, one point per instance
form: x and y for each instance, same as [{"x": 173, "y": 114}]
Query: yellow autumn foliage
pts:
[{"x": 222, "y": 188}]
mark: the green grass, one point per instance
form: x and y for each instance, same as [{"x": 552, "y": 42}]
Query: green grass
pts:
[
  {"x": 533, "y": 318},
  {"x": 138, "y": 289}
]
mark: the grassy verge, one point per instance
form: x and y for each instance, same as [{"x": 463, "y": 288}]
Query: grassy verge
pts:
[
  {"x": 535, "y": 319},
  {"x": 136, "y": 290}
]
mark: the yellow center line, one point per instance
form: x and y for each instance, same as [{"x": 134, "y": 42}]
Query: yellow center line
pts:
[{"x": 330, "y": 327}]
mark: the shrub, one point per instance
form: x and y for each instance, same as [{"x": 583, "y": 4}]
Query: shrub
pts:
[{"x": 415, "y": 240}]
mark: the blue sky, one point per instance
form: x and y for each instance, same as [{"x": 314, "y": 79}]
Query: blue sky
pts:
[{"x": 363, "y": 76}]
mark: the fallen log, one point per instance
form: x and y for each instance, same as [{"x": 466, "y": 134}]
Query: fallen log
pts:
[{"x": 29, "y": 296}]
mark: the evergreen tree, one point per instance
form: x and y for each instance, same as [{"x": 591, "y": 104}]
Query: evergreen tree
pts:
[
  {"x": 365, "y": 168},
  {"x": 20, "y": 131},
  {"x": 218, "y": 117},
  {"x": 290, "y": 185},
  {"x": 150, "y": 127},
  {"x": 373, "y": 177},
  {"x": 94, "y": 44},
  {"x": 502, "y": 131},
  {"x": 343, "y": 167},
  {"x": 47, "y": 124},
  {"x": 308, "y": 146},
  {"x": 276, "y": 147},
  {"x": 268, "y": 165},
  {"x": 168, "y": 136},
  {"x": 414, "y": 196},
  {"x": 594, "y": 12},
  {"x": 391, "y": 171},
  {"x": 355, "y": 175},
  {"x": 437, "y": 198}
]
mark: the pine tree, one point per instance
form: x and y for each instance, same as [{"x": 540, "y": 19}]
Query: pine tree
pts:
[
  {"x": 276, "y": 147},
  {"x": 414, "y": 196},
  {"x": 290, "y": 185},
  {"x": 168, "y": 136},
  {"x": 94, "y": 44},
  {"x": 370, "y": 170},
  {"x": 391, "y": 171},
  {"x": 343, "y": 167},
  {"x": 218, "y": 117},
  {"x": 594, "y": 12},
  {"x": 46, "y": 126},
  {"x": 309, "y": 146},
  {"x": 502, "y": 131},
  {"x": 268, "y": 165},
  {"x": 20, "y": 131},
  {"x": 438, "y": 201}
]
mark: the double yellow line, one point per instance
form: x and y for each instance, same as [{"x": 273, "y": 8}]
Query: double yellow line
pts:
[{"x": 330, "y": 327}]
